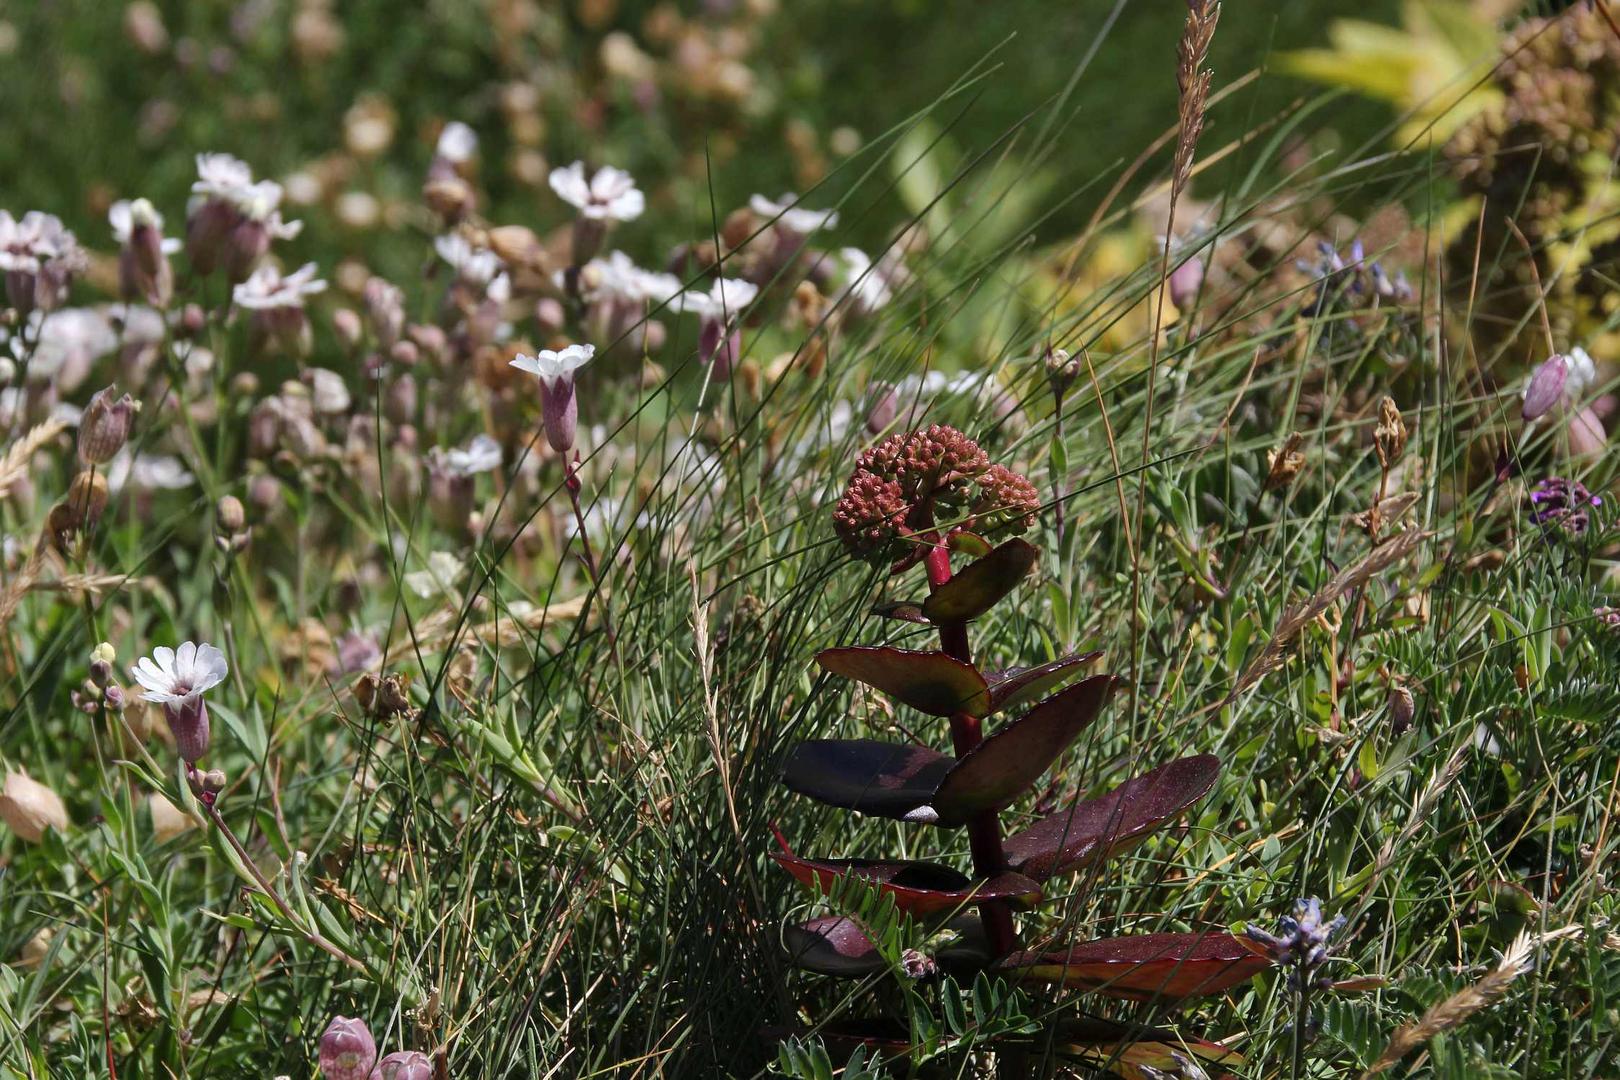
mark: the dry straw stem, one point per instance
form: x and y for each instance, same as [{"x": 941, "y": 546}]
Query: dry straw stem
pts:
[
  {"x": 14, "y": 465},
  {"x": 23, "y": 581},
  {"x": 1450, "y": 1013},
  {"x": 1421, "y": 810},
  {"x": 437, "y": 629},
  {"x": 1299, "y": 616}
]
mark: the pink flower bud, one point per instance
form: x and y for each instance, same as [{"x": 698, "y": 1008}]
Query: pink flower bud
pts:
[
  {"x": 347, "y": 1050},
  {"x": 245, "y": 248},
  {"x": 405, "y": 1065},
  {"x": 1185, "y": 281},
  {"x": 385, "y": 311},
  {"x": 207, "y": 232},
  {"x": 883, "y": 404},
  {"x": 1546, "y": 387}
]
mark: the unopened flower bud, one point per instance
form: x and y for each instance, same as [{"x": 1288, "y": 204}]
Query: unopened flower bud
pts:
[
  {"x": 115, "y": 697},
  {"x": 36, "y": 948},
  {"x": 192, "y": 321},
  {"x": 29, "y": 807},
  {"x": 213, "y": 781},
  {"x": 1185, "y": 282},
  {"x": 550, "y": 315},
  {"x": 104, "y": 428},
  {"x": 405, "y": 1065},
  {"x": 1061, "y": 369},
  {"x": 246, "y": 247},
  {"x": 229, "y": 515},
  {"x": 399, "y": 399},
  {"x": 385, "y": 311},
  {"x": 559, "y": 412},
  {"x": 347, "y": 1050},
  {"x": 883, "y": 405},
  {"x": 346, "y": 325}
]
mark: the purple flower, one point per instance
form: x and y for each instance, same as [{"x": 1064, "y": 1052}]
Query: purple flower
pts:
[
  {"x": 1301, "y": 942},
  {"x": 1563, "y": 504}
]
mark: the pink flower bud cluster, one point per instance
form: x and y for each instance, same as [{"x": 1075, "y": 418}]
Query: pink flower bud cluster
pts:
[{"x": 910, "y": 481}]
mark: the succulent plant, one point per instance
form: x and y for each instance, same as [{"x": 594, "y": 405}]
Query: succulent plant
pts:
[{"x": 894, "y": 510}]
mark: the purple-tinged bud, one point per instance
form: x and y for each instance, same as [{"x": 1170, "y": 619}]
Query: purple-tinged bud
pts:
[
  {"x": 883, "y": 405},
  {"x": 211, "y": 782},
  {"x": 399, "y": 399},
  {"x": 588, "y": 236},
  {"x": 430, "y": 339},
  {"x": 346, "y": 325},
  {"x": 264, "y": 491},
  {"x": 115, "y": 697},
  {"x": 188, "y": 723},
  {"x": 404, "y": 353},
  {"x": 550, "y": 315},
  {"x": 192, "y": 321},
  {"x": 208, "y": 231},
  {"x": 405, "y": 1065},
  {"x": 559, "y": 412},
  {"x": 144, "y": 272},
  {"x": 385, "y": 311},
  {"x": 246, "y": 247},
  {"x": 1185, "y": 282},
  {"x": 450, "y": 498},
  {"x": 229, "y": 516},
  {"x": 101, "y": 669},
  {"x": 1546, "y": 387},
  {"x": 104, "y": 427}
]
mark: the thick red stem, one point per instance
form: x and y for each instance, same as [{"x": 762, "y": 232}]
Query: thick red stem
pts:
[{"x": 984, "y": 830}]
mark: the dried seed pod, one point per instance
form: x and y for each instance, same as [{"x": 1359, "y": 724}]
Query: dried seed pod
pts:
[{"x": 29, "y": 807}]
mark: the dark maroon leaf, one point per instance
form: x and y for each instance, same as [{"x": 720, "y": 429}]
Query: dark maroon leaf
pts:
[
  {"x": 1012, "y": 687},
  {"x": 930, "y": 682},
  {"x": 868, "y": 776},
  {"x": 994, "y": 773},
  {"x": 981, "y": 584},
  {"x": 833, "y": 945},
  {"x": 1146, "y": 966},
  {"x": 917, "y": 887},
  {"x": 1096, "y": 828},
  {"x": 905, "y": 610}
]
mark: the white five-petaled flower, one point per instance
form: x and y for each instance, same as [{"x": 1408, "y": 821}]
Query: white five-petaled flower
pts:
[
  {"x": 180, "y": 676},
  {"x": 177, "y": 680},
  {"x": 554, "y": 366},
  {"x": 787, "y": 212},
  {"x": 725, "y": 298},
  {"x": 559, "y": 407},
  {"x": 457, "y": 143},
  {"x": 481, "y": 455},
  {"x": 478, "y": 267},
  {"x": 618, "y": 279},
  {"x": 608, "y": 195},
  {"x": 126, "y": 214},
  {"x": 221, "y": 176},
  {"x": 267, "y": 288}
]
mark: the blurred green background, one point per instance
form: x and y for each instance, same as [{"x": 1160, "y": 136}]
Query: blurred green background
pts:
[{"x": 106, "y": 100}]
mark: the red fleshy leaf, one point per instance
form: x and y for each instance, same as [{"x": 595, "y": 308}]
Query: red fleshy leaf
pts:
[
  {"x": 868, "y": 776},
  {"x": 919, "y": 888},
  {"x": 994, "y": 773},
  {"x": 833, "y": 945},
  {"x": 1097, "y": 828},
  {"x": 929, "y": 682},
  {"x": 981, "y": 584},
  {"x": 1143, "y": 967},
  {"x": 1012, "y": 687}
]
